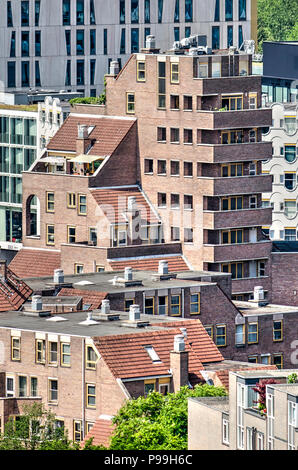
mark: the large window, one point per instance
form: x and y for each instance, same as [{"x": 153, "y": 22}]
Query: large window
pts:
[
  {"x": 24, "y": 13},
  {"x": 232, "y": 203},
  {"x": 215, "y": 37},
  {"x": 242, "y": 10},
  {"x": 161, "y": 85},
  {"x": 229, "y": 10},
  {"x": 25, "y": 44},
  {"x": 134, "y": 40},
  {"x": 160, "y": 10},
  {"x": 134, "y": 11},
  {"x": 122, "y": 12},
  {"x": 80, "y": 72},
  {"x": 9, "y": 15},
  {"x": 220, "y": 335},
  {"x": 236, "y": 269},
  {"x": 290, "y": 180},
  {"x": 252, "y": 333},
  {"x": 80, "y": 11},
  {"x": 188, "y": 11},
  {"x": 66, "y": 12},
  {"x": 290, "y": 208},
  {"x": 147, "y": 11},
  {"x": 290, "y": 153},
  {"x": 80, "y": 42}
]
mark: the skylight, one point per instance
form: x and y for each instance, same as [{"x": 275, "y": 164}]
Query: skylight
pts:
[{"x": 152, "y": 354}]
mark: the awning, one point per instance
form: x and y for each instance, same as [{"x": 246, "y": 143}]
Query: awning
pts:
[
  {"x": 52, "y": 160},
  {"x": 86, "y": 158}
]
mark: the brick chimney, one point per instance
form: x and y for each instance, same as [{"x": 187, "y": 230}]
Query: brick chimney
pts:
[
  {"x": 179, "y": 363},
  {"x": 83, "y": 141},
  {"x": 3, "y": 269}
]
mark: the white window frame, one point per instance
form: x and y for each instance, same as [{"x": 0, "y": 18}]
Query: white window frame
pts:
[
  {"x": 225, "y": 431},
  {"x": 11, "y": 393},
  {"x": 270, "y": 420},
  {"x": 240, "y": 420},
  {"x": 292, "y": 424}
]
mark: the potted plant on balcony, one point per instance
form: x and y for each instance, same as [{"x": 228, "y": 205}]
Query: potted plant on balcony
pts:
[{"x": 260, "y": 388}]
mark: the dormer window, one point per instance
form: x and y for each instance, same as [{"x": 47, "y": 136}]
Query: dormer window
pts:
[{"x": 152, "y": 354}]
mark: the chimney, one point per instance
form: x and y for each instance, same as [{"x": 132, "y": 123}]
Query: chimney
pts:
[
  {"x": 36, "y": 304},
  {"x": 3, "y": 270},
  {"x": 105, "y": 307},
  {"x": 128, "y": 274},
  {"x": 184, "y": 332},
  {"x": 114, "y": 67},
  {"x": 58, "y": 276},
  {"x": 83, "y": 141},
  {"x": 179, "y": 363},
  {"x": 131, "y": 203},
  {"x": 150, "y": 42},
  {"x": 258, "y": 294},
  {"x": 163, "y": 267},
  {"x": 134, "y": 313}
]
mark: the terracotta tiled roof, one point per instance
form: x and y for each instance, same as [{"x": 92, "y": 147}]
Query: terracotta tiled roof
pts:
[
  {"x": 223, "y": 375},
  {"x": 92, "y": 298},
  {"x": 175, "y": 264},
  {"x": 13, "y": 292},
  {"x": 35, "y": 263},
  {"x": 113, "y": 202},
  {"x": 126, "y": 356},
  {"x": 201, "y": 342},
  {"x": 107, "y": 133},
  {"x": 101, "y": 432}
]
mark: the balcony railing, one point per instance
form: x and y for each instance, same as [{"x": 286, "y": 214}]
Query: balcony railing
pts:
[
  {"x": 221, "y": 153},
  {"x": 236, "y": 185},
  {"x": 232, "y": 219},
  {"x": 245, "y": 118},
  {"x": 237, "y": 251}
]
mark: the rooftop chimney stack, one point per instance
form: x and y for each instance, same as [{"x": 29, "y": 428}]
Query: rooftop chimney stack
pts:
[
  {"x": 105, "y": 307},
  {"x": 134, "y": 313},
  {"x": 150, "y": 42},
  {"x": 36, "y": 303},
  {"x": 131, "y": 203},
  {"x": 163, "y": 267},
  {"x": 58, "y": 276},
  {"x": 179, "y": 363},
  {"x": 3, "y": 271},
  {"x": 114, "y": 67},
  {"x": 82, "y": 131},
  {"x": 128, "y": 274},
  {"x": 179, "y": 343},
  {"x": 258, "y": 294}
]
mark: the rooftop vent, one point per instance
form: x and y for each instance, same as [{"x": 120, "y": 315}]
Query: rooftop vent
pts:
[
  {"x": 105, "y": 307},
  {"x": 82, "y": 131},
  {"x": 131, "y": 203},
  {"x": 128, "y": 274},
  {"x": 35, "y": 308},
  {"x": 150, "y": 42},
  {"x": 184, "y": 332},
  {"x": 58, "y": 276},
  {"x": 179, "y": 343},
  {"x": 259, "y": 294},
  {"x": 163, "y": 267},
  {"x": 114, "y": 67},
  {"x": 89, "y": 320},
  {"x": 134, "y": 313},
  {"x": 36, "y": 304}
]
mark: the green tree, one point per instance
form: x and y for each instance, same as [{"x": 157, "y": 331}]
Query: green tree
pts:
[
  {"x": 35, "y": 430},
  {"x": 157, "y": 422},
  {"x": 277, "y": 21}
]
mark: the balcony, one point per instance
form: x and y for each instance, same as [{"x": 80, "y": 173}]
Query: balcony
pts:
[
  {"x": 208, "y": 153},
  {"x": 240, "y": 286},
  {"x": 212, "y": 120},
  {"x": 237, "y": 252},
  {"x": 237, "y": 218},
  {"x": 240, "y": 185}
]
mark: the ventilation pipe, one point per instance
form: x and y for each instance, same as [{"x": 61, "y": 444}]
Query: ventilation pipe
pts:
[
  {"x": 105, "y": 307},
  {"x": 163, "y": 267},
  {"x": 36, "y": 304},
  {"x": 179, "y": 343},
  {"x": 134, "y": 313},
  {"x": 58, "y": 276},
  {"x": 114, "y": 67},
  {"x": 128, "y": 274}
]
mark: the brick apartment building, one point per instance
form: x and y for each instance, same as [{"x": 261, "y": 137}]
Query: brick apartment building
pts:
[
  {"x": 235, "y": 423},
  {"x": 200, "y": 127},
  {"x": 83, "y": 369}
]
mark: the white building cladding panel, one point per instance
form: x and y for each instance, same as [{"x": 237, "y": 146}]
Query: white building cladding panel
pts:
[
  {"x": 52, "y": 61},
  {"x": 284, "y": 169}
]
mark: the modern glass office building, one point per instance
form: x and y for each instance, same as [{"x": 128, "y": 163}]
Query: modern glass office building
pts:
[{"x": 69, "y": 44}]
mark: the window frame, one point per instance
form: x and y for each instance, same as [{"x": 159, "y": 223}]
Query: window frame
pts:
[
  {"x": 71, "y": 200},
  {"x": 249, "y": 333},
  {"x": 63, "y": 354},
  {"x": 89, "y": 363},
  {"x": 146, "y": 307},
  {"x": 130, "y": 104},
  {"x": 14, "y": 348},
  {"x": 139, "y": 79},
  {"x": 48, "y": 234},
  {"x": 69, "y": 227},
  {"x": 175, "y": 73},
  {"x": 175, "y": 305},
  {"x": 52, "y": 362},
  {"x": 40, "y": 350},
  {"x": 52, "y": 391},
  {"x": 80, "y": 204},
  {"x": 197, "y": 303},
  {"x": 216, "y": 336},
  {"x": 89, "y": 395},
  {"x": 48, "y": 202},
  {"x": 275, "y": 330}
]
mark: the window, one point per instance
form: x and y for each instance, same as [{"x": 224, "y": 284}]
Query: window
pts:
[
  {"x": 175, "y": 234},
  {"x": 161, "y": 199},
  {"x": 240, "y": 335},
  {"x": 141, "y": 71},
  {"x": 277, "y": 360},
  {"x": 148, "y": 165},
  {"x": 175, "y": 201},
  {"x": 290, "y": 180},
  {"x": 78, "y": 268},
  {"x": 232, "y": 137},
  {"x": 53, "y": 390},
  {"x": 149, "y": 386},
  {"x": 50, "y": 202},
  {"x": 161, "y": 167},
  {"x": 215, "y": 37},
  {"x": 22, "y": 386},
  {"x": 236, "y": 269},
  {"x": 290, "y": 208},
  {"x": 188, "y": 202},
  {"x": 65, "y": 354},
  {"x": 91, "y": 358},
  {"x": 174, "y": 102},
  {"x": 53, "y": 353},
  {"x": 164, "y": 386},
  {"x": 146, "y": 33},
  {"x": 80, "y": 72},
  {"x": 80, "y": 12},
  {"x": 277, "y": 330},
  {"x": 217, "y": 10},
  {"x": 229, "y": 10},
  {"x": 105, "y": 41},
  {"x": 25, "y": 44},
  {"x": 175, "y": 135},
  {"x": 225, "y": 431},
  {"x": 68, "y": 73},
  {"x": 66, "y": 12},
  {"x": 92, "y": 41},
  {"x": 188, "y": 11},
  {"x": 134, "y": 40},
  {"x": 261, "y": 268},
  {"x": 160, "y": 10},
  {"x": 93, "y": 235},
  {"x": 290, "y": 234},
  {"x": 37, "y": 74},
  {"x": 9, "y": 15},
  {"x": 187, "y": 31},
  {"x": 161, "y": 102},
  {"x": 290, "y": 153},
  {"x": 71, "y": 234},
  {"x": 25, "y": 74},
  {"x": 174, "y": 72},
  {"x": 187, "y": 103},
  {"x": 92, "y": 12},
  {"x": 220, "y": 335},
  {"x": 270, "y": 421},
  {"x": 195, "y": 300},
  {"x": 177, "y": 12},
  {"x": 149, "y": 305},
  {"x": 134, "y": 11},
  {"x": 252, "y": 333},
  {"x": 50, "y": 235},
  {"x": 92, "y": 72},
  {"x": 240, "y": 36},
  {"x": 229, "y": 36},
  {"x": 82, "y": 204},
  {"x": 122, "y": 12},
  {"x": 176, "y": 305},
  {"x": 260, "y": 441},
  {"x": 37, "y": 43},
  {"x": 33, "y": 386},
  {"x": 15, "y": 348},
  {"x": 161, "y": 134},
  {"x": 188, "y": 235},
  {"x": 162, "y": 305},
  {"x": 242, "y": 10},
  {"x": 253, "y": 359},
  {"x": 232, "y": 170},
  {"x": 11, "y": 74},
  {"x": 176, "y": 33},
  {"x": 175, "y": 168},
  {"x": 25, "y": 13},
  {"x": 90, "y": 396},
  {"x": 292, "y": 424},
  {"x": 232, "y": 203},
  {"x": 40, "y": 351},
  {"x": 130, "y": 103},
  {"x": 232, "y": 236},
  {"x": 232, "y": 103},
  {"x": 187, "y": 134},
  {"x": 128, "y": 303}
]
